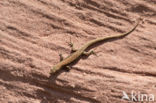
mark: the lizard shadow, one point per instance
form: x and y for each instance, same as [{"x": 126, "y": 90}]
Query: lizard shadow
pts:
[
  {"x": 43, "y": 88},
  {"x": 53, "y": 91}
]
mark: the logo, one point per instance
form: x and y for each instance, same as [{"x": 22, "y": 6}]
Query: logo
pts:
[{"x": 137, "y": 97}]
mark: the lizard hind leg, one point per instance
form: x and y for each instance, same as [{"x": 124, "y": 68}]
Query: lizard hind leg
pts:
[{"x": 89, "y": 53}]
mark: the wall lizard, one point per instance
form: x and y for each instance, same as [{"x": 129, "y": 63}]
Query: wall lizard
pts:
[{"x": 77, "y": 53}]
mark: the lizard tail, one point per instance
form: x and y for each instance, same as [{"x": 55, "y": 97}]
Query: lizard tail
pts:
[
  {"x": 114, "y": 37},
  {"x": 125, "y": 34},
  {"x": 119, "y": 36}
]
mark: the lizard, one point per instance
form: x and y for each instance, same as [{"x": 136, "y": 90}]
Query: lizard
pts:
[{"x": 77, "y": 53}]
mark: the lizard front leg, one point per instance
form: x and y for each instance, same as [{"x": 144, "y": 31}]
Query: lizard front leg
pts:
[
  {"x": 72, "y": 47},
  {"x": 68, "y": 68},
  {"x": 61, "y": 57}
]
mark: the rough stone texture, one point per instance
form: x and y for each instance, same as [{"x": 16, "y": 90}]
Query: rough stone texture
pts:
[{"x": 34, "y": 32}]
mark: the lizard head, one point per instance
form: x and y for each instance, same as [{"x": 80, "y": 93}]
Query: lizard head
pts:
[{"x": 54, "y": 69}]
